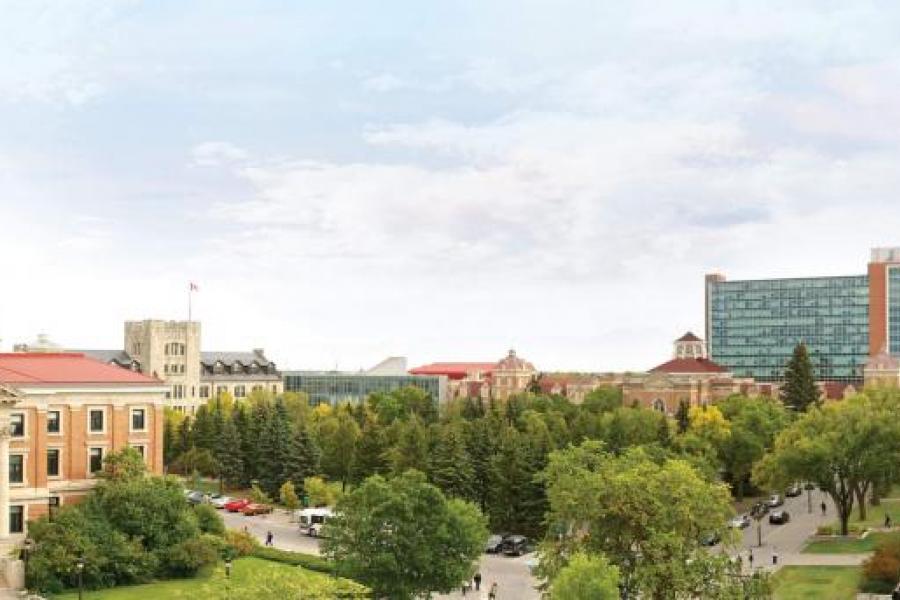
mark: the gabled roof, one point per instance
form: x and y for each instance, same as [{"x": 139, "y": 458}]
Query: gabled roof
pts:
[
  {"x": 689, "y": 365},
  {"x": 45, "y": 368},
  {"x": 454, "y": 370},
  {"x": 119, "y": 356},
  {"x": 229, "y": 358},
  {"x": 689, "y": 337}
]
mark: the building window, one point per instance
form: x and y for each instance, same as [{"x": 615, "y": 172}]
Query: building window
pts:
[
  {"x": 659, "y": 405},
  {"x": 221, "y": 389},
  {"x": 53, "y": 421},
  {"x": 96, "y": 460},
  {"x": 17, "y": 424},
  {"x": 53, "y": 462},
  {"x": 204, "y": 391},
  {"x": 240, "y": 391},
  {"x": 17, "y": 519},
  {"x": 16, "y": 468},
  {"x": 96, "y": 421},
  {"x": 178, "y": 391},
  {"x": 140, "y": 449},
  {"x": 138, "y": 419},
  {"x": 274, "y": 389},
  {"x": 257, "y": 388},
  {"x": 53, "y": 503}
]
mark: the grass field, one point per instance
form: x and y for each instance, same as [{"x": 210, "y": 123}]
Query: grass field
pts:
[
  {"x": 191, "y": 588},
  {"x": 819, "y": 583},
  {"x": 848, "y": 546}
]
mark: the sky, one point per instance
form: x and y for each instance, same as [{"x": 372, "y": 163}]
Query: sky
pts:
[{"x": 347, "y": 181}]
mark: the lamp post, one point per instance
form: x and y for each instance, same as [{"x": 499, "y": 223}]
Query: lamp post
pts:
[
  {"x": 809, "y": 489},
  {"x": 27, "y": 547},
  {"x": 227, "y": 577},
  {"x": 79, "y": 565}
]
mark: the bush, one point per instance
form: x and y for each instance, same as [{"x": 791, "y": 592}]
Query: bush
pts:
[
  {"x": 296, "y": 559},
  {"x": 825, "y": 530},
  {"x": 188, "y": 557},
  {"x": 208, "y": 520},
  {"x": 240, "y": 543},
  {"x": 259, "y": 496}
]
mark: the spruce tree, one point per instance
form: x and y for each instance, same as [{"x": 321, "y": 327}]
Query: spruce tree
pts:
[
  {"x": 370, "y": 458},
  {"x": 799, "y": 390},
  {"x": 305, "y": 461},
  {"x": 450, "y": 466},
  {"x": 481, "y": 444},
  {"x": 228, "y": 454},
  {"x": 411, "y": 450},
  {"x": 511, "y": 475},
  {"x": 204, "y": 429},
  {"x": 185, "y": 436},
  {"x": 275, "y": 450}
]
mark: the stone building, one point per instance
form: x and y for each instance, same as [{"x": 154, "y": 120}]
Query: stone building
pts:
[
  {"x": 171, "y": 351},
  {"x": 689, "y": 376},
  {"x": 60, "y": 415}
]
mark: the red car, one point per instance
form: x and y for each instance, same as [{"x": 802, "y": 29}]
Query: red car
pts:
[
  {"x": 256, "y": 509},
  {"x": 237, "y": 505}
]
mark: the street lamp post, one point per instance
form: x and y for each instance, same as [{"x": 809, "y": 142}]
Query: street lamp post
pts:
[
  {"x": 809, "y": 489},
  {"x": 27, "y": 546},
  {"x": 79, "y": 565},
  {"x": 227, "y": 577}
]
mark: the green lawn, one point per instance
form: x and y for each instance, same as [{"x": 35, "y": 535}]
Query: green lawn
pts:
[
  {"x": 192, "y": 588},
  {"x": 875, "y": 514},
  {"x": 833, "y": 583},
  {"x": 848, "y": 546}
]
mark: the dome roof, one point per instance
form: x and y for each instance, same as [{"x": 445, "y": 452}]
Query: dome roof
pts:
[{"x": 513, "y": 363}]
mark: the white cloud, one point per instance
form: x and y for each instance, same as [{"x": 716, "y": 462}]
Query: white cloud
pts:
[{"x": 214, "y": 154}]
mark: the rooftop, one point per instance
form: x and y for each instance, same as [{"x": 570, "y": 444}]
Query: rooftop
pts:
[
  {"x": 689, "y": 366},
  {"x": 454, "y": 370},
  {"x": 54, "y": 368}
]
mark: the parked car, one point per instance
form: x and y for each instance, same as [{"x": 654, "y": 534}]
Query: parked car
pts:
[
  {"x": 316, "y": 529},
  {"x": 256, "y": 509},
  {"x": 494, "y": 544},
  {"x": 793, "y": 491},
  {"x": 196, "y": 497},
  {"x": 515, "y": 545},
  {"x": 237, "y": 505},
  {"x": 779, "y": 517},
  {"x": 774, "y": 501},
  {"x": 760, "y": 508},
  {"x": 220, "y": 501},
  {"x": 711, "y": 539},
  {"x": 740, "y": 522}
]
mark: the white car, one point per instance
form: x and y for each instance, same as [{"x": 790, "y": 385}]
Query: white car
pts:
[{"x": 221, "y": 501}]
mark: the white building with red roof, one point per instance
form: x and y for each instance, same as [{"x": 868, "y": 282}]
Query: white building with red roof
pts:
[
  {"x": 61, "y": 413},
  {"x": 501, "y": 379}
]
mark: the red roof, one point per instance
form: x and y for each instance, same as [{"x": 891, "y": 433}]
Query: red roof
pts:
[
  {"x": 689, "y": 365},
  {"x": 454, "y": 370},
  {"x": 40, "y": 368}
]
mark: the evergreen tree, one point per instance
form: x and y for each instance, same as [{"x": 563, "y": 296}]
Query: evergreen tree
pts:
[
  {"x": 171, "y": 443},
  {"x": 276, "y": 450},
  {"x": 228, "y": 453},
  {"x": 204, "y": 429},
  {"x": 338, "y": 436},
  {"x": 450, "y": 467},
  {"x": 185, "y": 436},
  {"x": 517, "y": 499},
  {"x": 799, "y": 390},
  {"x": 305, "y": 461},
  {"x": 256, "y": 427},
  {"x": 370, "y": 457},
  {"x": 682, "y": 417},
  {"x": 411, "y": 449},
  {"x": 480, "y": 445}
]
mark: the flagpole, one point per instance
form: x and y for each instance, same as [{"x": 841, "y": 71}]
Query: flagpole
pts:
[{"x": 190, "y": 298}]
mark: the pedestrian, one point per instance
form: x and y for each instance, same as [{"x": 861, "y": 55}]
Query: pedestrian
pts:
[
  {"x": 774, "y": 556},
  {"x": 246, "y": 530},
  {"x": 824, "y": 508},
  {"x": 887, "y": 521},
  {"x": 750, "y": 559},
  {"x": 478, "y": 581},
  {"x": 493, "y": 593},
  {"x": 465, "y": 587},
  {"x": 269, "y": 538}
]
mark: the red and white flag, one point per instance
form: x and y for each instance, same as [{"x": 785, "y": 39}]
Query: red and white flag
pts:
[{"x": 194, "y": 287}]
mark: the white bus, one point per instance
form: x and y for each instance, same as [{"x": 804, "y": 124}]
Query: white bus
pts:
[{"x": 312, "y": 519}]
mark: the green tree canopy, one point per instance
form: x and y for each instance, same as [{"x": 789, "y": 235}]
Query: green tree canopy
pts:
[
  {"x": 586, "y": 577},
  {"x": 799, "y": 390},
  {"x": 403, "y": 538}
]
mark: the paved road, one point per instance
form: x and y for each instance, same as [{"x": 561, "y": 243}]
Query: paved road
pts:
[{"x": 287, "y": 534}]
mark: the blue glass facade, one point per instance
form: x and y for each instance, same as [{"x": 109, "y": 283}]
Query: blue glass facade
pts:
[
  {"x": 326, "y": 387},
  {"x": 753, "y": 326},
  {"x": 893, "y": 309}
]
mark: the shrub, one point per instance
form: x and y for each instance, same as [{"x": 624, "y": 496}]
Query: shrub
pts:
[
  {"x": 259, "y": 496},
  {"x": 825, "y": 530},
  {"x": 320, "y": 492},
  {"x": 288, "y": 496},
  {"x": 208, "y": 520},
  {"x": 882, "y": 569},
  {"x": 240, "y": 543},
  {"x": 188, "y": 557},
  {"x": 296, "y": 559}
]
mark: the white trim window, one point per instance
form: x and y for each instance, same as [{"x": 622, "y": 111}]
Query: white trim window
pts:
[
  {"x": 17, "y": 518},
  {"x": 142, "y": 450},
  {"x": 95, "y": 460},
  {"x": 96, "y": 420},
  {"x": 17, "y": 425},
  {"x": 16, "y": 469},
  {"x": 138, "y": 422},
  {"x": 54, "y": 463},
  {"x": 54, "y": 422}
]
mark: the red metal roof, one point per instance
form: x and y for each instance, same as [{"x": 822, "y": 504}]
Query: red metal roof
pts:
[
  {"x": 455, "y": 370},
  {"x": 39, "y": 368},
  {"x": 689, "y": 365}
]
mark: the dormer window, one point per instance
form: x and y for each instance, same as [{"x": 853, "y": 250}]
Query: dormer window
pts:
[
  {"x": 237, "y": 368},
  {"x": 254, "y": 367},
  {"x": 218, "y": 368}
]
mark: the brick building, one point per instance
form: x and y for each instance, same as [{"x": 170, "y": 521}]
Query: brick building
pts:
[
  {"x": 508, "y": 376},
  {"x": 60, "y": 415}
]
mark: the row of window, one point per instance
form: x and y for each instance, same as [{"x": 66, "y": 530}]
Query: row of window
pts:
[
  {"x": 174, "y": 349},
  {"x": 95, "y": 462},
  {"x": 17, "y": 514},
  {"x": 173, "y": 369},
  {"x": 96, "y": 421}
]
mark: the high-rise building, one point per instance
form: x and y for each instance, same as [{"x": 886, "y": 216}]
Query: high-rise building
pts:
[{"x": 752, "y": 326}]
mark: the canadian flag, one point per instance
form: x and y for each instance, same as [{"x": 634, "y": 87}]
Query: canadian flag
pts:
[{"x": 194, "y": 287}]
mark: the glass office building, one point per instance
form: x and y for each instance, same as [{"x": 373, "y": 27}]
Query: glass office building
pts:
[
  {"x": 752, "y": 327},
  {"x": 335, "y": 387}
]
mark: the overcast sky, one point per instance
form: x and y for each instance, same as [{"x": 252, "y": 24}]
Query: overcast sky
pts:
[{"x": 442, "y": 180}]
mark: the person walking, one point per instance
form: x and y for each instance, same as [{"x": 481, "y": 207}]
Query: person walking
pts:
[
  {"x": 493, "y": 593},
  {"x": 887, "y": 521},
  {"x": 270, "y": 537},
  {"x": 478, "y": 581},
  {"x": 750, "y": 559},
  {"x": 824, "y": 508}
]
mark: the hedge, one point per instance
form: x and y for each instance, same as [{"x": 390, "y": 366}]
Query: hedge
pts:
[{"x": 296, "y": 559}]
